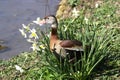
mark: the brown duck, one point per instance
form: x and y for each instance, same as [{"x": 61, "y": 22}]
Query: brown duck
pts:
[{"x": 70, "y": 49}]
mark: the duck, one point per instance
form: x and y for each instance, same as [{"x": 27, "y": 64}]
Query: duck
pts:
[{"x": 62, "y": 49}]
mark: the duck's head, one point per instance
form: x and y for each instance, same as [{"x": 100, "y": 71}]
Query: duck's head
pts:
[{"x": 51, "y": 20}]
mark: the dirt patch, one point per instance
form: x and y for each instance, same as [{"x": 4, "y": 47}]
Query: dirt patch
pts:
[{"x": 65, "y": 10}]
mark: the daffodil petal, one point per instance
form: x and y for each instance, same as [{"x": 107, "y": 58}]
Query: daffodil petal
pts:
[
  {"x": 23, "y": 33},
  {"x": 19, "y": 68}
]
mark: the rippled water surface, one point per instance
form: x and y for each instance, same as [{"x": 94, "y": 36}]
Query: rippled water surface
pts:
[{"x": 13, "y": 13}]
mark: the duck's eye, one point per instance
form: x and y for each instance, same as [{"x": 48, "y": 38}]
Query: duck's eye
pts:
[{"x": 48, "y": 18}]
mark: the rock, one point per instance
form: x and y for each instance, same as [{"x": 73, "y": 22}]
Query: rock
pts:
[{"x": 2, "y": 47}]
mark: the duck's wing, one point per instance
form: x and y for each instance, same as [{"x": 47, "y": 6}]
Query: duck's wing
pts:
[{"x": 72, "y": 45}]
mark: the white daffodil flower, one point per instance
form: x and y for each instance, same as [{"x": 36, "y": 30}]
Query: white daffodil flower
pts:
[
  {"x": 86, "y": 20},
  {"x": 75, "y": 12},
  {"x": 33, "y": 34},
  {"x": 30, "y": 41},
  {"x": 19, "y": 68},
  {"x": 48, "y": 35},
  {"x": 35, "y": 47},
  {"x": 42, "y": 46},
  {"x": 37, "y": 21},
  {"x": 96, "y": 5},
  {"x": 23, "y": 33},
  {"x": 26, "y": 27},
  {"x": 66, "y": 27}
]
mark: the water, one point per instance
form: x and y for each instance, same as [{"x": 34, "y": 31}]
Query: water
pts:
[{"x": 13, "y": 13}]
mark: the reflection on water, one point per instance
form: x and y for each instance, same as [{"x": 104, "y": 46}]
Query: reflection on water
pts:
[{"x": 13, "y": 13}]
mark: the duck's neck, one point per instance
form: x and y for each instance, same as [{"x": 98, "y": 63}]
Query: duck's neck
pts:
[
  {"x": 54, "y": 31},
  {"x": 54, "y": 34}
]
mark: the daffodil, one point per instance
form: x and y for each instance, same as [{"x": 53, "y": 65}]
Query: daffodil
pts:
[
  {"x": 23, "y": 33},
  {"x": 37, "y": 21},
  {"x": 26, "y": 27},
  {"x": 48, "y": 35},
  {"x": 86, "y": 20},
  {"x": 42, "y": 46},
  {"x": 66, "y": 27},
  {"x": 19, "y": 68},
  {"x": 33, "y": 34},
  {"x": 35, "y": 47},
  {"x": 96, "y": 5},
  {"x": 29, "y": 40},
  {"x": 75, "y": 12}
]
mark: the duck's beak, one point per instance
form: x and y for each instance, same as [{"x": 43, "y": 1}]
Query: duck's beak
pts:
[{"x": 42, "y": 22}]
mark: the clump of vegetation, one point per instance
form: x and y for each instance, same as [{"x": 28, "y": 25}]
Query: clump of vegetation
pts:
[
  {"x": 101, "y": 60},
  {"x": 73, "y": 3}
]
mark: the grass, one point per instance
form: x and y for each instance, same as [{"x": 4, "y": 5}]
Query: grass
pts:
[{"x": 101, "y": 60}]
